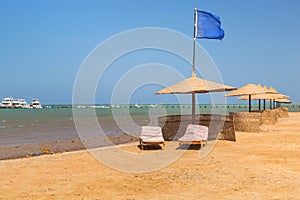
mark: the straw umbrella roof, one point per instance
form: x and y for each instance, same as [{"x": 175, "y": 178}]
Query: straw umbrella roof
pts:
[
  {"x": 268, "y": 90},
  {"x": 249, "y": 89},
  {"x": 273, "y": 90},
  {"x": 195, "y": 85},
  {"x": 264, "y": 96},
  {"x": 283, "y": 101}
]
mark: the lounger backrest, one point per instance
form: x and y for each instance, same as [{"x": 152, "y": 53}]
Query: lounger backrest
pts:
[
  {"x": 197, "y": 131},
  {"x": 151, "y": 131}
]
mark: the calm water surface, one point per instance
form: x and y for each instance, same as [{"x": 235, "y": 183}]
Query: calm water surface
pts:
[{"x": 18, "y": 126}]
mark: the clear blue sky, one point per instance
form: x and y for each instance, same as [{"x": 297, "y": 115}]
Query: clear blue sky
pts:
[{"x": 43, "y": 43}]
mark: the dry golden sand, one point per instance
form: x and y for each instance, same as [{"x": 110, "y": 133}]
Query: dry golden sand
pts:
[{"x": 263, "y": 165}]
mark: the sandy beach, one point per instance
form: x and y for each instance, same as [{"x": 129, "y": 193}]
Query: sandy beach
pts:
[{"x": 259, "y": 165}]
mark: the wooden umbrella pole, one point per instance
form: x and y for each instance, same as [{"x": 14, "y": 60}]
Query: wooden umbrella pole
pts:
[
  {"x": 249, "y": 103},
  {"x": 264, "y": 104},
  {"x": 259, "y": 104},
  {"x": 193, "y": 108}
]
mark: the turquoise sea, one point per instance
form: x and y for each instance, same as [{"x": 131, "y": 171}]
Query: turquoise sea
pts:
[{"x": 55, "y": 122}]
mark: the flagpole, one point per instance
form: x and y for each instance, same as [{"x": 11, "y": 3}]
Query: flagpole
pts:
[
  {"x": 194, "y": 42},
  {"x": 193, "y": 67}
]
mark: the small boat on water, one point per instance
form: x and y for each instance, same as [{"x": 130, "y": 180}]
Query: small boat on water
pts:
[
  {"x": 19, "y": 103},
  {"x": 137, "y": 106},
  {"x": 10, "y": 102},
  {"x": 7, "y": 102},
  {"x": 35, "y": 104}
]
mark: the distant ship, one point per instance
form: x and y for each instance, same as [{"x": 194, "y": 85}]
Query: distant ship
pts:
[
  {"x": 35, "y": 104},
  {"x": 7, "y": 102},
  {"x": 137, "y": 106},
  {"x": 19, "y": 103},
  {"x": 10, "y": 102}
]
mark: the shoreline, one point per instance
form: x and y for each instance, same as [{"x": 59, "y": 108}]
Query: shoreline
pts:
[
  {"x": 25, "y": 150},
  {"x": 10, "y": 152}
]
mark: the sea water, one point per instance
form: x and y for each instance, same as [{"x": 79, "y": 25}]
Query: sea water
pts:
[{"x": 56, "y": 122}]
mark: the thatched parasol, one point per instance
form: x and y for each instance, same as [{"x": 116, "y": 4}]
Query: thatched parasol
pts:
[
  {"x": 272, "y": 90},
  {"x": 194, "y": 85},
  {"x": 248, "y": 90},
  {"x": 264, "y": 96},
  {"x": 283, "y": 101},
  {"x": 266, "y": 89},
  {"x": 267, "y": 96},
  {"x": 279, "y": 96}
]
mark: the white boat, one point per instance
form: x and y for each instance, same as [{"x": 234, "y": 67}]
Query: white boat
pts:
[
  {"x": 104, "y": 107},
  {"x": 23, "y": 103},
  {"x": 35, "y": 104},
  {"x": 115, "y": 106},
  {"x": 10, "y": 102},
  {"x": 137, "y": 106},
  {"x": 19, "y": 103},
  {"x": 7, "y": 102},
  {"x": 80, "y": 106},
  {"x": 152, "y": 106}
]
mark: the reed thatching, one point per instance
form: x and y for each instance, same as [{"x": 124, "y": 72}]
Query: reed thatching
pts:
[
  {"x": 283, "y": 101},
  {"x": 249, "y": 89},
  {"x": 272, "y": 90},
  {"x": 195, "y": 85},
  {"x": 267, "y": 90},
  {"x": 263, "y": 96}
]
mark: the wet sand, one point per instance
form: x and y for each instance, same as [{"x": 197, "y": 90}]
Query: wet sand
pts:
[
  {"x": 262, "y": 165},
  {"x": 59, "y": 146}
]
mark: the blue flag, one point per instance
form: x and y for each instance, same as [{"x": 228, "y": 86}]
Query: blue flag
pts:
[{"x": 208, "y": 26}]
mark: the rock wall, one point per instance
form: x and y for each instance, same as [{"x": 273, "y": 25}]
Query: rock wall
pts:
[
  {"x": 247, "y": 121},
  {"x": 250, "y": 122},
  {"x": 220, "y": 126},
  {"x": 283, "y": 112},
  {"x": 269, "y": 117}
]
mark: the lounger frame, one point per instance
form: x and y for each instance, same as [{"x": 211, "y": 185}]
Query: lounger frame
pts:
[
  {"x": 149, "y": 133},
  {"x": 201, "y": 142}
]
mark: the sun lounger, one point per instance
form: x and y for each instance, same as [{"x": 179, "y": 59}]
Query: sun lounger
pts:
[
  {"x": 194, "y": 134},
  {"x": 151, "y": 135}
]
